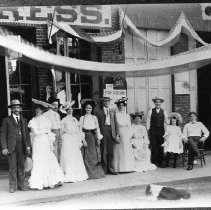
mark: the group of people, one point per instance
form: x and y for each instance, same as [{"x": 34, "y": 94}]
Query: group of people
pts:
[
  {"x": 109, "y": 141},
  {"x": 166, "y": 136}
]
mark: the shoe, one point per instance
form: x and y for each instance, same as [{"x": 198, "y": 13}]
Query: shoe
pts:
[
  {"x": 11, "y": 190},
  {"x": 190, "y": 167},
  {"x": 111, "y": 171},
  {"x": 24, "y": 189}
]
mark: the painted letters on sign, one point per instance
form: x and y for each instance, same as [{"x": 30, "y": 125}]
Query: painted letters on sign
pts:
[{"x": 87, "y": 15}]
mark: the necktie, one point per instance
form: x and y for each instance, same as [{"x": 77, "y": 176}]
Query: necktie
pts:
[{"x": 17, "y": 120}]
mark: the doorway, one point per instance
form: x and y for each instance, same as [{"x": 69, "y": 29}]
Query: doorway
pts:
[{"x": 204, "y": 99}]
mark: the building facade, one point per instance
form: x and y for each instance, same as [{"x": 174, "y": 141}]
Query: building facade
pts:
[{"x": 181, "y": 92}]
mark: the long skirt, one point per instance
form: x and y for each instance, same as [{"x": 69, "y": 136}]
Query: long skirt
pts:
[
  {"x": 71, "y": 159},
  {"x": 92, "y": 157},
  {"x": 123, "y": 160},
  {"x": 142, "y": 156},
  {"x": 46, "y": 171}
]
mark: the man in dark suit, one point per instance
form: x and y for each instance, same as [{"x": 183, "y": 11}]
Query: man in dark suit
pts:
[
  {"x": 107, "y": 127},
  {"x": 15, "y": 143}
]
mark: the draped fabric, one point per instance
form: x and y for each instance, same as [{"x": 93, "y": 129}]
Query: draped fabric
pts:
[
  {"x": 181, "y": 26},
  {"x": 55, "y": 26},
  {"x": 170, "y": 65}
]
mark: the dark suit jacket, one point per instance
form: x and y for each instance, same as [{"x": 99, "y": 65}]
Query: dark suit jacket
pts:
[
  {"x": 8, "y": 134},
  {"x": 101, "y": 119}
]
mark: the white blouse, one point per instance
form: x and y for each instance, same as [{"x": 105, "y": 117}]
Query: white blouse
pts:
[{"x": 90, "y": 122}]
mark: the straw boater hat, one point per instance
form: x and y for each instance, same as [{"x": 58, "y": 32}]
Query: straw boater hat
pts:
[
  {"x": 105, "y": 98},
  {"x": 90, "y": 101},
  {"x": 157, "y": 98},
  {"x": 68, "y": 104},
  {"x": 122, "y": 100},
  {"x": 39, "y": 103},
  {"x": 15, "y": 102},
  {"x": 176, "y": 115},
  {"x": 28, "y": 164},
  {"x": 139, "y": 114}
]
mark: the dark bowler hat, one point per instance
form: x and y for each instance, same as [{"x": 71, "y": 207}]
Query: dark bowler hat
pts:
[
  {"x": 105, "y": 98},
  {"x": 121, "y": 100},
  {"x": 90, "y": 101},
  {"x": 139, "y": 114},
  {"x": 158, "y": 98},
  {"x": 53, "y": 99},
  {"x": 15, "y": 102}
]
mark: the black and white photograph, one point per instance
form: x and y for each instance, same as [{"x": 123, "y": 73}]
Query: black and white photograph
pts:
[{"x": 105, "y": 104}]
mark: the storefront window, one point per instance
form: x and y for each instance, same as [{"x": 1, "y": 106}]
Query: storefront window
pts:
[
  {"x": 80, "y": 87},
  {"x": 69, "y": 85},
  {"x": 19, "y": 81}
]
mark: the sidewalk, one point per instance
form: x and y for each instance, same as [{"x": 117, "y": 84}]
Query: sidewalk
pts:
[{"x": 110, "y": 182}]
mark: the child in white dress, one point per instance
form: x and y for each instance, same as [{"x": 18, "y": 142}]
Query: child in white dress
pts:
[{"x": 173, "y": 138}]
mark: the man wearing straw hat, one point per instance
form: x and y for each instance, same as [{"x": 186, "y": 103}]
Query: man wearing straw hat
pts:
[
  {"x": 106, "y": 123},
  {"x": 15, "y": 143},
  {"x": 156, "y": 119}
]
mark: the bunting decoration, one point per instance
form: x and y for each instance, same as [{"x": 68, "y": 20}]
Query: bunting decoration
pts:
[
  {"x": 94, "y": 38},
  {"x": 181, "y": 26},
  {"x": 171, "y": 65},
  {"x": 126, "y": 26}
]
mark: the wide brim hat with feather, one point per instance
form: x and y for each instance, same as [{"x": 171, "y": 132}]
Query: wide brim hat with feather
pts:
[
  {"x": 175, "y": 115},
  {"x": 158, "y": 99},
  {"x": 90, "y": 101},
  {"x": 121, "y": 100},
  {"x": 139, "y": 114},
  {"x": 41, "y": 104},
  {"x": 68, "y": 104}
]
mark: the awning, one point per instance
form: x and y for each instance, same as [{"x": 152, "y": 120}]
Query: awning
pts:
[{"x": 41, "y": 58}]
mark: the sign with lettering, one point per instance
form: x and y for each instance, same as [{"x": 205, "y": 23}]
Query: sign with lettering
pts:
[{"x": 84, "y": 15}]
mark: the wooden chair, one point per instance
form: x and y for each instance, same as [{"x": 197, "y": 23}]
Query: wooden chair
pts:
[{"x": 201, "y": 154}]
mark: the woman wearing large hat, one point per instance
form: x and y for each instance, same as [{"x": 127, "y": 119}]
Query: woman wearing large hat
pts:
[
  {"x": 46, "y": 171},
  {"x": 72, "y": 140},
  {"x": 92, "y": 138},
  {"x": 123, "y": 160}
]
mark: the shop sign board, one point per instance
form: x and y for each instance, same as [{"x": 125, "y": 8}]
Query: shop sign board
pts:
[{"x": 83, "y": 15}]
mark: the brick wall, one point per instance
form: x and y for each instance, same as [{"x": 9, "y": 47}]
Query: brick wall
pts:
[
  {"x": 181, "y": 101},
  {"x": 182, "y": 105}
]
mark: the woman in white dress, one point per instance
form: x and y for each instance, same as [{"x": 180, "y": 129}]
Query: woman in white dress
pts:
[
  {"x": 140, "y": 143},
  {"x": 71, "y": 157},
  {"x": 173, "y": 138},
  {"x": 46, "y": 172},
  {"x": 123, "y": 160},
  {"x": 92, "y": 138}
]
